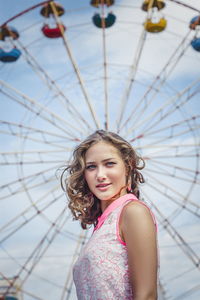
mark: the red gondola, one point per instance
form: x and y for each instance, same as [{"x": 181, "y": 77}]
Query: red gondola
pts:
[{"x": 53, "y": 33}]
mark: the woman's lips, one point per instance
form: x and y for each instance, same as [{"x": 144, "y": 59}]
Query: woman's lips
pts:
[{"x": 102, "y": 186}]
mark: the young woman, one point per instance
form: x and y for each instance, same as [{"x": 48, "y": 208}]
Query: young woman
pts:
[{"x": 120, "y": 261}]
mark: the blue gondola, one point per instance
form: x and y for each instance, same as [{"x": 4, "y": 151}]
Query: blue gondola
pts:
[
  {"x": 10, "y": 56},
  {"x": 195, "y": 43},
  {"x": 108, "y": 21},
  {"x": 195, "y": 22}
]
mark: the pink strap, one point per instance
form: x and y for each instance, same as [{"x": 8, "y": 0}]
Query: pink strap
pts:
[
  {"x": 113, "y": 206},
  {"x": 117, "y": 224}
]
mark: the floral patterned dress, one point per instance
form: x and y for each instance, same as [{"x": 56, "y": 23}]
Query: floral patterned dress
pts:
[{"x": 101, "y": 271}]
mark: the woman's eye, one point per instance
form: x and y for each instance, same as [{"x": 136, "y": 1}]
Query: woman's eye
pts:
[
  {"x": 110, "y": 163},
  {"x": 90, "y": 167}
]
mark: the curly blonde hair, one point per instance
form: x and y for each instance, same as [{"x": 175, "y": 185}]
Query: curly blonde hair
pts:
[{"x": 82, "y": 203}]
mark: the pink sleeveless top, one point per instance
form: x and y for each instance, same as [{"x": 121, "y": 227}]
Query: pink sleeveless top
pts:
[{"x": 101, "y": 271}]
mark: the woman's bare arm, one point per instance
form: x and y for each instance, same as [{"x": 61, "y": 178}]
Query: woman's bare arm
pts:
[{"x": 139, "y": 233}]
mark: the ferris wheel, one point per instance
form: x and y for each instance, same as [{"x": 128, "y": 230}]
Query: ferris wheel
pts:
[{"x": 68, "y": 68}]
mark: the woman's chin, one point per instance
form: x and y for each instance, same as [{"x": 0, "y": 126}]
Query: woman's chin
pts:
[
  {"x": 111, "y": 197},
  {"x": 104, "y": 197}
]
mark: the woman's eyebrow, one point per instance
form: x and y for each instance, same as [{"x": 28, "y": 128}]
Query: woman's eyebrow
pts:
[
  {"x": 104, "y": 160},
  {"x": 107, "y": 159},
  {"x": 90, "y": 162}
]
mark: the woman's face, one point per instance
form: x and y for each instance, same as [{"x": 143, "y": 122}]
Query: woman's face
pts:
[{"x": 105, "y": 171}]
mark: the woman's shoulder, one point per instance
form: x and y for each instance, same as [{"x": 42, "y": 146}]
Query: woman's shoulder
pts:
[
  {"x": 135, "y": 213},
  {"x": 135, "y": 207}
]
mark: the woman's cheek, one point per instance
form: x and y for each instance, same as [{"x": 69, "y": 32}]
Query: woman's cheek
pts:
[{"x": 89, "y": 178}]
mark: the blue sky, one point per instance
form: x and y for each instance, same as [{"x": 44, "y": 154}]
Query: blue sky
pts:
[{"x": 148, "y": 81}]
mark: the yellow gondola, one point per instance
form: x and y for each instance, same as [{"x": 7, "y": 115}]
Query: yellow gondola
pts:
[{"x": 155, "y": 27}]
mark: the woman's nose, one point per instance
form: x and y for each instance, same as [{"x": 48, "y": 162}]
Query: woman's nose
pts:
[{"x": 100, "y": 175}]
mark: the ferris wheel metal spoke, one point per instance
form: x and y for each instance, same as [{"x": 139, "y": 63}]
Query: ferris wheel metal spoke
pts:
[
  {"x": 67, "y": 285},
  {"x": 29, "y": 214},
  {"x": 173, "y": 108},
  {"x": 159, "y": 80},
  {"x": 33, "y": 105},
  {"x": 132, "y": 74},
  {"x": 38, "y": 152},
  {"x": 34, "y": 296},
  {"x": 183, "y": 203},
  {"x": 17, "y": 158},
  {"x": 170, "y": 137},
  {"x": 24, "y": 137},
  {"x": 170, "y": 134},
  {"x": 190, "y": 175},
  {"x": 180, "y": 241},
  {"x": 173, "y": 151},
  {"x": 182, "y": 273},
  {"x": 168, "y": 146},
  {"x": 8, "y": 255},
  {"x": 29, "y": 129},
  {"x": 162, "y": 289},
  {"x": 188, "y": 155},
  {"x": 25, "y": 11},
  {"x": 186, "y": 5},
  {"x": 75, "y": 66},
  {"x": 22, "y": 162},
  {"x": 169, "y": 103},
  {"x": 42, "y": 246},
  {"x": 26, "y": 180},
  {"x": 10, "y": 286},
  {"x": 30, "y": 157},
  {"x": 163, "y": 116},
  {"x": 105, "y": 67},
  {"x": 188, "y": 293},
  {"x": 21, "y": 189},
  {"x": 172, "y": 126},
  {"x": 52, "y": 85},
  {"x": 194, "y": 172},
  {"x": 171, "y": 175}
]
